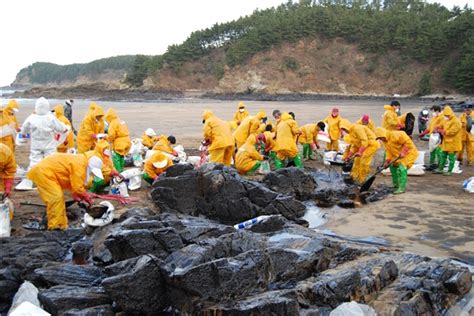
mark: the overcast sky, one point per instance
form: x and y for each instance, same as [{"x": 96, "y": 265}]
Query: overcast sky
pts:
[{"x": 78, "y": 31}]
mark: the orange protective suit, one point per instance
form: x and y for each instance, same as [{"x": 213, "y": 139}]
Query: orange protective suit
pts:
[
  {"x": 218, "y": 133},
  {"x": 92, "y": 125},
  {"x": 69, "y": 143}
]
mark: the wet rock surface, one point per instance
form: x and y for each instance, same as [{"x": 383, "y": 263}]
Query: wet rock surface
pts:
[
  {"x": 148, "y": 263},
  {"x": 219, "y": 193}
]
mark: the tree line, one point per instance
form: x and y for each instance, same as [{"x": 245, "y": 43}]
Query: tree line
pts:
[
  {"x": 429, "y": 33},
  {"x": 43, "y": 73}
]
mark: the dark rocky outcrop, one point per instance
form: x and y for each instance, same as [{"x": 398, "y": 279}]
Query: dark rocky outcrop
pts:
[
  {"x": 183, "y": 264},
  {"x": 291, "y": 181},
  {"x": 219, "y": 193}
]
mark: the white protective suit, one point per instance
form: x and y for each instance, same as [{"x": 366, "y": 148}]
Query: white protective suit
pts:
[{"x": 42, "y": 126}]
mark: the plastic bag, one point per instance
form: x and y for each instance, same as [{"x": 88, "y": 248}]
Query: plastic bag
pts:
[
  {"x": 434, "y": 141},
  {"x": 468, "y": 185},
  {"x": 22, "y": 140},
  {"x": 137, "y": 160},
  {"x": 119, "y": 188},
  {"x": 5, "y": 218},
  {"x": 134, "y": 177},
  {"x": 353, "y": 309},
  {"x": 26, "y": 293}
]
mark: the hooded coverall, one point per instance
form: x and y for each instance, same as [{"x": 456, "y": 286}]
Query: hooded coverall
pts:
[
  {"x": 42, "y": 125},
  {"x": 396, "y": 143},
  {"x": 119, "y": 138},
  {"x": 218, "y": 133},
  {"x": 452, "y": 140},
  {"x": 11, "y": 107},
  {"x": 363, "y": 143},
  {"x": 467, "y": 139},
  {"x": 248, "y": 158},
  {"x": 149, "y": 141},
  {"x": 251, "y": 125},
  {"x": 7, "y": 168},
  {"x": 390, "y": 120},
  {"x": 370, "y": 125},
  {"x": 102, "y": 151},
  {"x": 285, "y": 147},
  {"x": 92, "y": 125},
  {"x": 239, "y": 116},
  {"x": 334, "y": 131},
  {"x": 164, "y": 145},
  {"x": 150, "y": 171},
  {"x": 52, "y": 176},
  {"x": 309, "y": 132},
  {"x": 7, "y": 130},
  {"x": 69, "y": 143}
]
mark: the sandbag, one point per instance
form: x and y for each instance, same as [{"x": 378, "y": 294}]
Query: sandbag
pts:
[{"x": 106, "y": 218}]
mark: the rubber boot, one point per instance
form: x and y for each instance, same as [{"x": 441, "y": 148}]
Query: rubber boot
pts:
[
  {"x": 452, "y": 161},
  {"x": 403, "y": 173},
  {"x": 442, "y": 162},
  {"x": 298, "y": 161},
  {"x": 278, "y": 164},
  {"x": 147, "y": 178},
  {"x": 305, "y": 151},
  {"x": 395, "y": 177}
]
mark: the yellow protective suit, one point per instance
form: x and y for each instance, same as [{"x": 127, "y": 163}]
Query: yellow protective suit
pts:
[
  {"x": 92, "y": 124},
  {"x": 69, "y": 143},
  {"x": 309, "y": 132},
  {"x": 10, "y": 109},
  {"x": 269, "y": 141},
  {"x": 467, "y": 139},
  {"x": 370, "y": 125},
  {"x": 247, "y": 156},
  {"x": 107, "y": 164},
  {"x": 7, "y": 165},
  {"x": 164, "y": 145},
  {"x": 7, "y": 130},
  {"x": 218, "y": 133},
  {"x": 151, "y": 170},
  {"x": 334, "y": 131},
  {"x": 452, "y": 138},
  {"x": 363, "y": 142},
  {"x": 53, "y": 175},
  {"x": 436, "y": 122},
  {"x": 149, "y": 141},
  {"x": 117, "y": 133},
  {"x": 390, "y": 120},
  {"x": 396, "y": 140},
  {"x": 287, "y": 131},
  {"x": 239, "y": 116},
  {"x": 250, "y": 125}
]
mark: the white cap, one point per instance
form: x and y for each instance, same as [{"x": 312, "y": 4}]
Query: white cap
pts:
[
  {"x": 42, "y": 106},
  {"x": 160, "y": 164},
  {"x": 95, "y": 166},
  {"x": 425, "y": 112},
  {"x": 150, "y": 132}
]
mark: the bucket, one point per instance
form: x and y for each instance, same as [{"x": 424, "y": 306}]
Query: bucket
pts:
[{"x": 421, "y": 158}]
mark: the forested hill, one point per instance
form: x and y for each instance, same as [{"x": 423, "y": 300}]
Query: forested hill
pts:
[
  {"x": 325, "y": 46},
  {"x": 103, "y": 70}
]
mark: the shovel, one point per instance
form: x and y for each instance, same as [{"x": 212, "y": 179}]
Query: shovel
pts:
[
  {"x": 368, "y": 183},
  {"x": 68, "y": 203}
]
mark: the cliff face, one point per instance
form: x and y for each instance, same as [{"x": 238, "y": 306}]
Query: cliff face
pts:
[
  {"x": 312, "y": 66},
  {"x": 309, "y": 66}
]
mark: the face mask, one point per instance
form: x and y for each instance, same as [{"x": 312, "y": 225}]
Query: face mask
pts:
[
  {"x": 446, "y": 118},
  {"x": 398, "y": 111},
  {"x": 241, "y": 110}
]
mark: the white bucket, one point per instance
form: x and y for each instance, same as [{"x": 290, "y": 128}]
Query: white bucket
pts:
[{"x": 421, "y": 158}]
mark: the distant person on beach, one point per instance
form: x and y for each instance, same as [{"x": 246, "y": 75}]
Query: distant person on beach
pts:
[{"x": 68, "y": 112}]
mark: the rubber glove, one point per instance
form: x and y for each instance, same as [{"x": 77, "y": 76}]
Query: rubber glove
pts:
[
  {"x": 83, "y": 196},
  {"x": 361, "y": 151},
  {"x": 404, "y": 152},
  {"x": 8, "y": 183}
]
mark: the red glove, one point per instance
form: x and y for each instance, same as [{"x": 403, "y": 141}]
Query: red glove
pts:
[
  {"x": 386, "y": 163},
  {"x": 313, "y": 146},
  {"x": 8, "y": 187},
  {"x": 361, "y": 151},
  {"x": 400, "y": 126},
  {"x": 426, "y": 131},
  {"x": 57, "y": 136},
  {"x": 441, "y": 131},
  {"x": 404, "y": 152},
  {"x": 18, "y": 129},
  {"x": 66, "y": 142},
  {"x": 349, "y": 156},
  {"x": 84, "y": 196},
  {"x": 115, "y": 173},
  {"x": 175, "y": 154},
  {"x": 94, "y": 136}
]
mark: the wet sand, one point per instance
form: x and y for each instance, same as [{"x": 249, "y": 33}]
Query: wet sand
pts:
[{"x": 434, "y": 217}]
